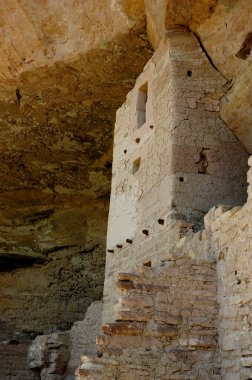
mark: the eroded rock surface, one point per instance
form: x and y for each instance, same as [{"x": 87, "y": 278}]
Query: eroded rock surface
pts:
[
  {"x": 51, "y": 297},
  {"x": 65, "y": 69}
]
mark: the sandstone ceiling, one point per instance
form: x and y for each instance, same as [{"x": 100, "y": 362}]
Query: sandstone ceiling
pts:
[{"x": 65, "y": 68}]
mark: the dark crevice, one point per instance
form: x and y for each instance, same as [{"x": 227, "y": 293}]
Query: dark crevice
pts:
[
  {"x": 147, "y": 264},
  {"x": 38, "y": 216},
  {"x": 18, "y": 96},
  {"x": 245, "y": 50},
  {"x": 14, "y": 342},
  {"x": 60, "y": 248},
  {"x": 13, "y": 262},
  {"x": 208, "y": 56},
  {"x": 108, "y": 164},
  {"x": 17, "y": 261},
  {"x": 213, "y": 7},
  {"x": 63, "y": 248}
]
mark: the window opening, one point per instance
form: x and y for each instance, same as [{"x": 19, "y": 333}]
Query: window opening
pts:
[
  {"x": 136, "y": 165},
  {"x": 142, "y": 98}
]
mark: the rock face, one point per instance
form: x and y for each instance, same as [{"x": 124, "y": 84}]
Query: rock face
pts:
[
  {"x": 58, "y": 98},
  {"x": 65, "y": 68},
  {"x": 51, "y": 297},
  {"x": 44, "y": 33}
]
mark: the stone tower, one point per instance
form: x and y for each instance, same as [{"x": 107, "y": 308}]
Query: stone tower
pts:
[{"x": 174, "y": 157}]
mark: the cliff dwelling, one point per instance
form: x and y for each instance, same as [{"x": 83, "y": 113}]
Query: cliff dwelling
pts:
[{"x": 126, "y": 190}]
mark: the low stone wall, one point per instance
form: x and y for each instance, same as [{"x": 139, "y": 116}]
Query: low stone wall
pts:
[
  {"x": 144, "y": 248},
  {"x": 56, "y": 356},
  {"x": 49, "y": 355},
  {"x": 14, "y": 361}
]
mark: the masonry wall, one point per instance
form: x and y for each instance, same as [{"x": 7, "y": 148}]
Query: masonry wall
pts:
[
  {"x": 188, "y": 317},
  {"x": 49, "y": 355},
  {"x": 166, "y": 325},
  {"x": 174, "y": 158},
  {"x": 56, "y": 356},
  {"x": 227, "y": 237},
  {"x": 232, "y": 242}
]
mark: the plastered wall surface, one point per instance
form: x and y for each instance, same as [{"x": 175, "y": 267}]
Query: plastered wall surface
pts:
[
  {"x": 83, "y": 337},
  {"x": 174, "y": 158},
  {"x": 232, "y": 244}
]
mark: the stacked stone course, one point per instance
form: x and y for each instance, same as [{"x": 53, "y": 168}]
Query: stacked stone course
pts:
[{"x": 165, "y": 325}]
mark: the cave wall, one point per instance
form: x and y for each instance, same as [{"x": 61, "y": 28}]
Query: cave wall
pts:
[
  {"x": 65, "y": 69},
  {"x": 51, "y": 297}
]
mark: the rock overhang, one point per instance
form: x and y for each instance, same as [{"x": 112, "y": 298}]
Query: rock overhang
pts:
[{"x": 57, "y": 129}]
